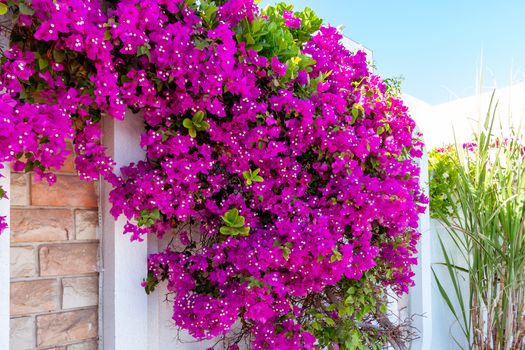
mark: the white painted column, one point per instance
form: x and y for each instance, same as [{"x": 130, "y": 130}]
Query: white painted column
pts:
[
  {"x": 4, "y": 263},
  {"x": 132, "y": 320},
  {"x": 124, "y": 263},
  {"x": 420, "y": 296},
  {"x": 155, "y": 304}
]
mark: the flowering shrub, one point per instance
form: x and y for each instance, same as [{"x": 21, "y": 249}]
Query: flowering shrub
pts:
[
  {"x": 279, "y": 162},
  {"x": 441, "y": 165}
]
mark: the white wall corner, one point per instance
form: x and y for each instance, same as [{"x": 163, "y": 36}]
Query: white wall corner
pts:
[
  {"x": 420, "y": 296},
  {"x": 155, "y": 303},
  {"x": 4, "y": 262},
  {"x": 124, "y": 264}
]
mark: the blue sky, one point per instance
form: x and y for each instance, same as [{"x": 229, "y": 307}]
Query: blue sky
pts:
[{"x": 437, "y": 46}]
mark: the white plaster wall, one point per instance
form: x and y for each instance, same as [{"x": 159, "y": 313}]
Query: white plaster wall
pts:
[
  {"x": 125, "y": 323},
  {"x": 420, "y": 296},
  {"x": 444, "y": 326},
  {"x": 169, "y": 337},
  {"x": 442, "y": 123},
  {"x": 354, "y": 46}
]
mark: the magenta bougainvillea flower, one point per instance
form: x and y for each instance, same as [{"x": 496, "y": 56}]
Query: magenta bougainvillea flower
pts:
[{"x": 282, "y": 166}]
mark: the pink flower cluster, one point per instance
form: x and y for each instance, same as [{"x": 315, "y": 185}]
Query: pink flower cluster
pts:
[
  {"x": 41, "y": 110},
  {"x": 308, "y": 148}
]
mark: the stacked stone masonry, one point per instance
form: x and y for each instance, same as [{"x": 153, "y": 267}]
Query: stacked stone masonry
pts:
[{"x": 54, "y": 263}]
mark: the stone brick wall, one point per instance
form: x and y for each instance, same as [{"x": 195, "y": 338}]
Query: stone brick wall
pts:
[{"x": 54, "y": 263}]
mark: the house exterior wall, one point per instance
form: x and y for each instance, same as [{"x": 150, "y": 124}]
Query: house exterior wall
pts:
[
  {"x": 354, "y": 46},
  {"x": 54, "y": 246},
  {"x": 456, "y": 120}
]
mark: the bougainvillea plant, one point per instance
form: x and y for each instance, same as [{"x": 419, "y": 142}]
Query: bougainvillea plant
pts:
[{"x": 282, "y": 167}]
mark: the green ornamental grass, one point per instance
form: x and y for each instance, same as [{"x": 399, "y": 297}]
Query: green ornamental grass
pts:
[{"x": 483, "y": 211}]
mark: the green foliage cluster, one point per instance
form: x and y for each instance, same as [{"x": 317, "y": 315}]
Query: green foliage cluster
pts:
[
  {"x": 356, "y": 305},
  {"x": 234, "y": 224},
  {"x": 196, "y": 123},
  {"x": 444, "y": 174},
  {"x": 271, "y": 38}
]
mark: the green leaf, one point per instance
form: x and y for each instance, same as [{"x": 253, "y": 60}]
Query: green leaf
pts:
[
  {"x": 31, "y": 165},
  {"x": 336, "y": 255},
  {"x": 228, "y": 231},
  {"x": 231, "y": 216},
  {"x": 195, "y": 124},
  {"x": 234, "y": 231},
  {"x": 356, "y": 111},
  {"x": 201, "y": 44},
  {"x": 25, "y": 10},
  {"x": 256, "y": 26},
  {"x": 151, "y": 283},
  {"x": 43, "y": 63},
  {"x": 247, "y": 177},
  {"x": 107, "y": 35},
  {"x": 331, "y": 307},
  {"x": 109, "y": 23},
  {"x": 3, "y": 9},
  {"x": 187, "y": 123},
  {"x": 234, "y": 224},
  {"x": 239, "y": 222},
  {"x": 249, "y": 39},
  {"x": 143, "y": 50},
  {"x": 2, "y": 193},
  {"x": 148, "y": 218},
  {"x": 305, "y": 61},
  {"x": 43, "y": 140},
  {"x": 198, "y": 117},
  {"x": 207, "y": 11},
  {"x": 59, "y": 56},
  {"x": 383, "y": 309},
  {"x": 330, "y": 322},
  {"x": 286, "y": 253},
  {"x": 252, "y": 176},
  {"x": 155, "y": 214},
  {"x": 257, "y": 47},
  {"x": 254, "y": 282}
]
